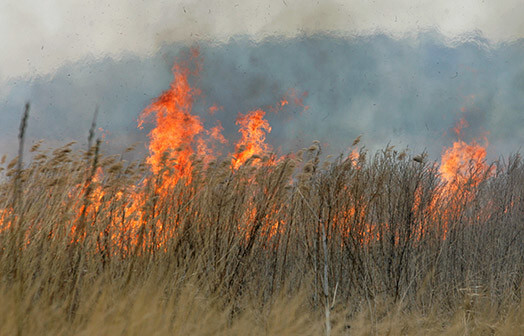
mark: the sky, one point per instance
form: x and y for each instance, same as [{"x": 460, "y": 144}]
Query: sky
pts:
[{"x": 395, "y": 71}]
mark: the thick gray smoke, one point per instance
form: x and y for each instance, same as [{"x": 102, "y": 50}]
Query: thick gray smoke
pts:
[
  {"x": 409, "y": 92},
  {"x": 37, "y": 37}
]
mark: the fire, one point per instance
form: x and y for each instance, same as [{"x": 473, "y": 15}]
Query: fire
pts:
[
  {"x": 176, "y": 130},
  {"x": 463, "y": 167},
  {"x": 179, "y": 134},
  {"x": 179, "y": 138},
  {"x": 463, "y": 162},
  {"x": 87, "y": 205},
  {"x": 253, "y": 131},
  {"x": 354, "y": 156}
]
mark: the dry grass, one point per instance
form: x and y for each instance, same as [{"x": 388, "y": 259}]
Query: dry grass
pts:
[{"x": 240, "y": 252}]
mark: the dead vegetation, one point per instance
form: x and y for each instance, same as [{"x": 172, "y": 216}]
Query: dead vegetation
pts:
[{"x": 92, "y": 244}]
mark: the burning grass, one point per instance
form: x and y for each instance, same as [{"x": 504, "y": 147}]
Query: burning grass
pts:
[
  {"x": 93, "y": 244},
  {"x": 187, "y": 242}
]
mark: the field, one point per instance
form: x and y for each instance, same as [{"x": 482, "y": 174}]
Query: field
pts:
[
  {"x": 190, "y": 243},
  {"x": 249, "y": 251}
]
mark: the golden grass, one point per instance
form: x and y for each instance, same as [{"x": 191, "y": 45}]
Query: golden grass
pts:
[{"x": 239, "y": 252}]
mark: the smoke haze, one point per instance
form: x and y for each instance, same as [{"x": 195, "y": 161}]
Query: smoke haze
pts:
[
  {"x": 409, "y": 91},
  {"x": 41, "y": 36}
]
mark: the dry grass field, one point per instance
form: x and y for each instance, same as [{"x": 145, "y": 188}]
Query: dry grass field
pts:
[
  {"x": 187, "y": 243},
  {"x": 383, "y": 242}
]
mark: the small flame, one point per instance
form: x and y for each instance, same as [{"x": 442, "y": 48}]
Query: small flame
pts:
[
  {"x": 464, "y": 162},
  {"x": 253, "y": 130},
  {"x": 354, "y": 156},
  {"x": 213, "y": 109}
]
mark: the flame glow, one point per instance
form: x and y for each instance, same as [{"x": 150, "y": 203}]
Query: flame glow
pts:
[
  {"x": 179, "y": 138},
  {"x": 176, "y": 128},
  {"x": 463, "y": 162},
  {"x": 253, "y": 130}
]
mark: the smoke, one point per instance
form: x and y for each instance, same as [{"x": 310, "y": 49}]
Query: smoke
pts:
[
  {"x": 409, "y": 92},
  {"x": 40, "y": 37}
]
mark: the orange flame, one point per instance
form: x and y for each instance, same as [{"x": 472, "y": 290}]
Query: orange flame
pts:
[
  {"x": 354, "y": 156},
  {"x": 462, "y": 167},
  {"x": 176, "y": 128},
  {"x": 253, "y": 130},
  {"x": 464, "y": 162}
]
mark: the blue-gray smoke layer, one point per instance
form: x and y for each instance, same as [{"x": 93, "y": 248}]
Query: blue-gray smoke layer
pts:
[{"x": 409, "y": 92}]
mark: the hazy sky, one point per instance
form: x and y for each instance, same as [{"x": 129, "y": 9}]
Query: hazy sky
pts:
[
  {"x": 400, "y": 71},
  {"x": 38, "y": 36}
]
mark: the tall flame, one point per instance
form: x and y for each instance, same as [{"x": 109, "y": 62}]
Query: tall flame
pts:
[
  {"x": 179, "y": 134},
  {"x": 176, "y": 128}
]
